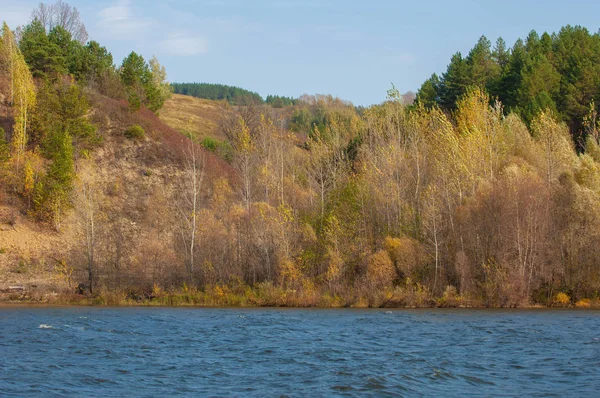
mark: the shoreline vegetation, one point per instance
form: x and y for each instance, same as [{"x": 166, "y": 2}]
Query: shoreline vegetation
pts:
[
  {"x": 268, "y": 296},
  {"x": 482, "y": 192}
]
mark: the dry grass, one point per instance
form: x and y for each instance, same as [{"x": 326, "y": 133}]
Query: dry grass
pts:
[{"x": 196, "y": 117}]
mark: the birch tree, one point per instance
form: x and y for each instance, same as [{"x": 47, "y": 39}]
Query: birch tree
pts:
[
  {"x": 244, "y": 147},
  {"x": 21, "y": 94},
  {"x": 88, "y": 215},
  {"x": 189, "y": 205}
]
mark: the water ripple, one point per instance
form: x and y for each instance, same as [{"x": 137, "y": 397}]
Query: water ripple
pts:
[{"x": 217, "y": 352}]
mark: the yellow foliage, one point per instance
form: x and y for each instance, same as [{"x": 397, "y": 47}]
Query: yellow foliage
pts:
[
  {"x": 29, "y": 179},
  {"x": 157, "y": 291},
  {"x": 237, "y": 212},
  {"x": 334, "y": 267},
  {"x": 221, "y": 194},
  {"x": 405, "y": 253},
  {"x": 555, "y": 143},
  {"x": 243, "y": 140},
  {"x": 583, "y": 303},
  {"x": 588, "y": 173},
  {"x": 64, "y": 271},
  {"x": 472, "y": 109},
  {"x": 380, "y": 270},
  {"x": 290, "y": 274},
  {"x": 562, "y": 298},
  {"x": 287, "y": 212},
  {"x": 23, "y": 95}
]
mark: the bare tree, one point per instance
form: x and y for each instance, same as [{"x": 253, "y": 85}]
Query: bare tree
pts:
[
  {"x": 245, "y": 159},
  {"x": 63, "y": 15},
  {"x": 87, "y": 205},
  {"x": 189, "y": 205}
]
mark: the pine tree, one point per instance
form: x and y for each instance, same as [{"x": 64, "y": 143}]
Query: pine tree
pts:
[
  {"x": 454, "y": 82},
  {"x": 429, "y": 93},
  {"x": 501, "y": 54}
]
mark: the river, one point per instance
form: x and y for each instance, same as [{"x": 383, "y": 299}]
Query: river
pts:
[{"x": 84, "y": 351}]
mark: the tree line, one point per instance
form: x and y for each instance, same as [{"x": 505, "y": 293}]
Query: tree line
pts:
[
  {"x": 555, "y": 72},
  {"x": 233, "y": 95}
]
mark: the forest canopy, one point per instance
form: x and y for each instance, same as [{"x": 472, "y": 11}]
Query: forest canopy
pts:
[
  {"x": 217, "y": 92},
  {"x": 233, "y": 95},
  {"x": 558, "y": 73}
]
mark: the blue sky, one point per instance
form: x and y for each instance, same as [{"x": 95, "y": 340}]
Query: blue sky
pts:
[{"x": 351, "y": 49}]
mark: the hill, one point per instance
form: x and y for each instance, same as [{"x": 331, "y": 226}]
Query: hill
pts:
[
  {"x": 217, "y": 92},
  {"x": 136, "y": 183},
  {"x": 195, "y": 117}
]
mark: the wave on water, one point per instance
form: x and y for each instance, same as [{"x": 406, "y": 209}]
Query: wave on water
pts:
[{"x": 199, "y": 352}]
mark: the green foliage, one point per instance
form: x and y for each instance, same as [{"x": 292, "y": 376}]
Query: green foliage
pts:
[
  {"x": 39, "y": 53},
  {"x": 220, "y": 148},
  {"x": 135, "y": 132},
  {"x": 557, "y": 72},
  {"x": 145, "y": 84},
  {"x": 277, "y": 101},
  {"x": 233, "y": 95},
  {"x": 454, "y": 82},
  {"x": 59, "y": 126},
  {"x": 4, "y": 147},
  {"x": 428, "y": 94},
  {"x": 210, "y": 144},
  {"x": 62, "y": 107},
  {"x": 52, "y": 194},
  {"x": 55, "y": 53},
  {"x": 93, "y": 62}
]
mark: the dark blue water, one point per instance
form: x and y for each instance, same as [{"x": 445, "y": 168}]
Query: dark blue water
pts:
[{"x": 231, "y": 352}]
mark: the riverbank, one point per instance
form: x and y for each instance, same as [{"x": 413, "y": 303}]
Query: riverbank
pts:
[{"x": 267, "y": 295}]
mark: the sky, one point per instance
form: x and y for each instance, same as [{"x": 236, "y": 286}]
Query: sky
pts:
[{"x": 354, "y": 50}]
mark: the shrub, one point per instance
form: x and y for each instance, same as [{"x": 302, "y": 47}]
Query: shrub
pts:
[
  {"x": 562, "y": 299},
  {"x": 380, "y": 270},
  {"x": 450, "y": 297},
  {"x": 134, "y": 132},
  {"x": 222, "y": 149},
  {"x": 406, "y": 254},
  {"x": 583, "y": 303},
  {"x": 210, "y": 144}
]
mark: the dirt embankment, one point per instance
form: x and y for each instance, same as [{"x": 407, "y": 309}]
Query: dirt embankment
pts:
[{"x": 37, "y": 261}]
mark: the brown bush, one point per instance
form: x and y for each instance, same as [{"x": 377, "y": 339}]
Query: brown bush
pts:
[{"x": 380, "y": 270}]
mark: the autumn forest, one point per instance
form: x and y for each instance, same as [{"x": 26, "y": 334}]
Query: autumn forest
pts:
[{"x": 119, "y": 187}]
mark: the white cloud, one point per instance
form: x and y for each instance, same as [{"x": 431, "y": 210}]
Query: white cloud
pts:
[
  {"x": 118, "y": 22},
  {"x": 183, "y": 44}
]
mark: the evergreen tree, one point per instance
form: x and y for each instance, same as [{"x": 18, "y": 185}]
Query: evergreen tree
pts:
[
  {"x": 93, "y": 62},
  {"x": 145, "y": 84},
  {"x": 454, "y": 82},
  {"x": 429, "y": 93},
  {"x": 481, "y": 67},
  {"x": 42, "y": 55},
  {"x": 501, "y": 54}
]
